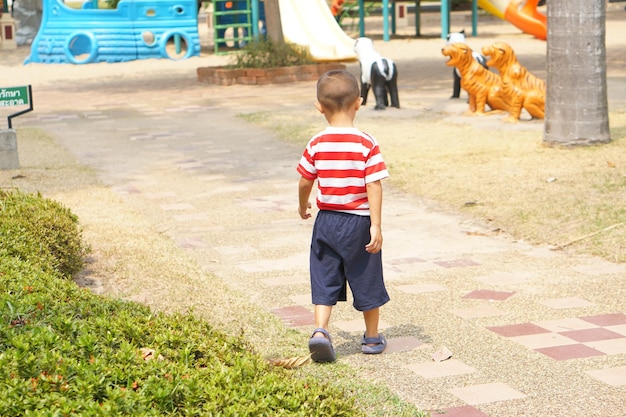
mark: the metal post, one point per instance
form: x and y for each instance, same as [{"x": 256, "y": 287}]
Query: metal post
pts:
[
  {"x": 418, "y": 19},
  {"x": 361, "y": 18},
  {"x": 255, "y": 19},
  {"x": 445, "y": 18},
  {"x": 474, "y": 17},
  {"x": 393, "y": 17},
  {"x": 386, "y": 20}
]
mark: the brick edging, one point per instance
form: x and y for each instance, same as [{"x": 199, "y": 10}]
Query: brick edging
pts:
[{"x": 261, "y": 76}]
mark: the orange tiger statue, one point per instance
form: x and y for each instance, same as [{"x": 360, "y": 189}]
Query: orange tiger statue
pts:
[
  {"x": 483, "y": 87},
  {"x": 525, "y": 91}
]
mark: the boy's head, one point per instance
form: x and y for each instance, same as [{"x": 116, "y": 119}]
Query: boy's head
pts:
[{"x": 337, "y": 90}]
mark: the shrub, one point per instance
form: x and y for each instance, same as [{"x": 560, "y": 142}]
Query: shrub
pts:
[
  {"x": 40, "y": 231},
  {"x": 67, "y": 352},
  {"x": 111, "y": 4},
  {"x": 266, "y": 53}
]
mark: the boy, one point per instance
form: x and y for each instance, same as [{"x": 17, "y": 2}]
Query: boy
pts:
[{"x": 347, "y": 237}]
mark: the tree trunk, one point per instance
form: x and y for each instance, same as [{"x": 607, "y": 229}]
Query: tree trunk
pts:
[
  {"x": 576, "y": 102},
  {"x": 272, "y": 19}
]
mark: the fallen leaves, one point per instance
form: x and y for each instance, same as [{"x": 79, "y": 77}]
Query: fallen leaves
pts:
[
  {"x": 148, "y": 354},
  {"x": 442, "y": 354},
  {"x": 291, "y": 363}
]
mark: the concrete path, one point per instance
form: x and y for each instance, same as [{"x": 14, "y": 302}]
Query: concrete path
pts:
[{"x": 531, "y": 331}]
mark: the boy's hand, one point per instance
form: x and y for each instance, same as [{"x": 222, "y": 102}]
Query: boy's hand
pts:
[
  {"x": 304, "y": 192},
  {"x": 376, "y": 240},
  {"x": 304, "y": 212}
]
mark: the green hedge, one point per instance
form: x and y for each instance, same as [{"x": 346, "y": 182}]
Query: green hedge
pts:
[
  {"x": 67, "y": 352},
  {"x": 265, "y": 53},
  {"x": 40, "y": 231}
]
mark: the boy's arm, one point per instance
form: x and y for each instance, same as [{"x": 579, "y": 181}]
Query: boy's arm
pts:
[
  {"x": 375, "y": 198},
  {"x": 304, "y": 192}
]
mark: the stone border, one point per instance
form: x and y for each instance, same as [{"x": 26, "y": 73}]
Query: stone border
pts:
[{"x": 262, "y": 76}]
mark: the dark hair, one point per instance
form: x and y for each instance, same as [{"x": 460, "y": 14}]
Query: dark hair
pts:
[{"x": 337, "y": 90}]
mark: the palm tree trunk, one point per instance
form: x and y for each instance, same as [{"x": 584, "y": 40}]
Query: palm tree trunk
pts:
[
  {"x": 272, "y": 19},
  {"x": 576, "y": 102}
]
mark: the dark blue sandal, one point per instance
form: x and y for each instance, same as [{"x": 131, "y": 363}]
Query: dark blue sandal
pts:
[
  {"x": 321, "y": 348},
  {"x": 380, "y": 343}
]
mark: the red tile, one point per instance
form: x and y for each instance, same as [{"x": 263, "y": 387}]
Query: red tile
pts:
[
  {"x": 457, "y": 263},
  {"x": 191, "y": 243},
  {"x": 591, "y": 335},
  {"x": 489, "y": 295},
  {"x": 295, "y": 316},
  {"x": 291, "y": 311},
  {"x": 464, "y": 411},
  {"x": 512, "y": 330},
  {"x": 129, "y": 189},
  {"x": 298, "y": 321},
  {"x": 606, "y": 319},
  {"x": 402, "y": 261},
  {"x": 562, "y": 353}
]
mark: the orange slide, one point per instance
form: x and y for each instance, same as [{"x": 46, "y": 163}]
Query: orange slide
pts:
[
  {"x": 523, "y": 14},
  {"x": 336, "y": 7}
]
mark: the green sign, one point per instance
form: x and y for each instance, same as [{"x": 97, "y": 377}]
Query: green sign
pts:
[{"x": 14, "y": 96}]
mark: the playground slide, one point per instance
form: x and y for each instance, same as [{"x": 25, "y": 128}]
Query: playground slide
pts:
[
  {"x": 310, "y": 23},
  {"x": 522, "y": 14}
]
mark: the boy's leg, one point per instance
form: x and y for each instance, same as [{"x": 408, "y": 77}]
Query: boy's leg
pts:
[
  {"x": 373, "y": 342},
  {"x": 322, "y": 318},
  {"x": 320, "y": 343},
  {"x": 371, "y": 322}
]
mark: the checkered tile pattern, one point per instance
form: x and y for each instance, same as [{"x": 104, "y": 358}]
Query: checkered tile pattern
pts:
[{"x": 571, "y": 338}]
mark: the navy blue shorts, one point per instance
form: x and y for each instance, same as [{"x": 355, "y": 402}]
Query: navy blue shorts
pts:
[{"x": 338, "y": 256}]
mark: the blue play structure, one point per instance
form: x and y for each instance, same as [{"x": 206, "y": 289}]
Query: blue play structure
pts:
[
  {"x": 244, "y": 19},
  {"x": 445, "y": 7},
  {"x": 136, "y": 29}
]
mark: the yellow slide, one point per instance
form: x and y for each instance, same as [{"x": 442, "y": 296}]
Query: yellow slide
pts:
[
  {"x": 310, "y": 23},
  {"x": 521, "y": 13}
]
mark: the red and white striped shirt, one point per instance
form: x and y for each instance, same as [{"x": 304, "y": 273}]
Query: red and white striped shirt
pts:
[{"x": 343, "y": 160}]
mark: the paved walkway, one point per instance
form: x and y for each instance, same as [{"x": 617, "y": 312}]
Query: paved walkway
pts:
[{"x": 532, "y": 332}]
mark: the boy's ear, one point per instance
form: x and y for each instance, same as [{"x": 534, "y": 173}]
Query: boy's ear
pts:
[
  {"x": 358, "y": 102},
  {"x": 319, "y": 107}
]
